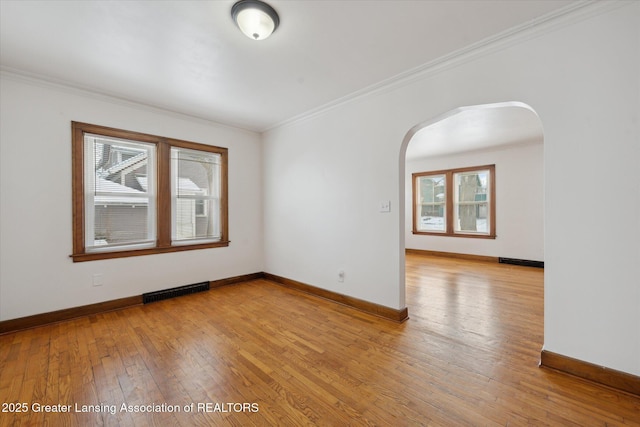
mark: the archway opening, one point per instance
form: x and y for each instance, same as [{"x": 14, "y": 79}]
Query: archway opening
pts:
[{"x": 508, "y": 135}]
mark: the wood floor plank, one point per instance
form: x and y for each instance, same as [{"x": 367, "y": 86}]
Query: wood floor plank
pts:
[{"x": 468, "y": 355}]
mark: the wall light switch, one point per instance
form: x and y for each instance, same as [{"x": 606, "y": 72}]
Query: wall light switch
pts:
[{"x": 385, "y": 206}]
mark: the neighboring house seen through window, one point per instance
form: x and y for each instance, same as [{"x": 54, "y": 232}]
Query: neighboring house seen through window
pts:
[
  {"x": 195, "y": 191},
  {"x": 455, "y": 202},
  {"x": 138, "y": 194}
]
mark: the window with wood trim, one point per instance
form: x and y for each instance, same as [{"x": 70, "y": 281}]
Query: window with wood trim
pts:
[
  {"x": 139, "y": 194},
  {"x": 455, "y": 202}
]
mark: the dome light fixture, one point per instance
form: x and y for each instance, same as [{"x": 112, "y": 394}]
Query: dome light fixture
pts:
[{"x": 256, "y": 19}]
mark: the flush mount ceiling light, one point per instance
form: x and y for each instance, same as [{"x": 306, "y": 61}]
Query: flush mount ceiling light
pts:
[{"x": 256, "y": 19}]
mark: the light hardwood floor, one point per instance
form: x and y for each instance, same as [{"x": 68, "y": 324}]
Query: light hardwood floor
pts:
[{"x": 467, "y": 356}]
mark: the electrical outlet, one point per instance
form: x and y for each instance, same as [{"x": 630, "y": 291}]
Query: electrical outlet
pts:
[
  {"x": 98, "y": 280},
  {"x": 340, "y": 276},
  {"x": 385, "y": 206}
]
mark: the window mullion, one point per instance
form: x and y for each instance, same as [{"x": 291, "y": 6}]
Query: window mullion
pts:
[
  {"x": 164, "y": 195},
  {"x": 449, "y": 205},
  {"x": 416, "y": 202}
]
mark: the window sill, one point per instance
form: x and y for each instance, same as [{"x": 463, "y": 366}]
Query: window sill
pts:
[
  {"x": 472, "y": 236},
  {"x": 94, "y": 256}
]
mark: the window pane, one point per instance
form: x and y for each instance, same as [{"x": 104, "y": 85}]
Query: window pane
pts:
[
  {"x": 471, "y": 196},
  {"x": 119, "y": 204},
  {"x": 472, "y": 218},
  {"x": 431, "y": 203},
  {"x": 196, "y": 179}
]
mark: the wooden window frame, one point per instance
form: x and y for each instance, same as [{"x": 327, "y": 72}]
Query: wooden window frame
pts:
[
  {"x": 163, "y": 194},
  {"x": 449, "y": 202}
]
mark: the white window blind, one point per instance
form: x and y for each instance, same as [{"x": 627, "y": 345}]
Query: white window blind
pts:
[{"x": 120, "y": 198}]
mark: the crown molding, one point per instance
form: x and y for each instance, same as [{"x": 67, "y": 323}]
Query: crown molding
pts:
[
  {"x": 570, "y": 14},
  {"x": 35, "y": 79}
]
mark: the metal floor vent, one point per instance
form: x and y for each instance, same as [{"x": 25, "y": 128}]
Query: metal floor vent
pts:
[
  {"x": 174, "y": 292},
  {"x": 525, "y": 262}
]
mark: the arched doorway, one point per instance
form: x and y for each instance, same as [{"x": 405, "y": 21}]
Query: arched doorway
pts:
[{"x": 508, "y": 135}]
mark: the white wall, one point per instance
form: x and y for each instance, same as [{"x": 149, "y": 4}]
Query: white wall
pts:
[
  {"x": 519, "y": 203},
  {"x": 324, "y": 176},
  {"x": 36, "y": 273}
]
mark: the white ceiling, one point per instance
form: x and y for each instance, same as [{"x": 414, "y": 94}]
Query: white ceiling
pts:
[
  {"x": 477, "y": 128},
  {"x": 188, "y": 56}
]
